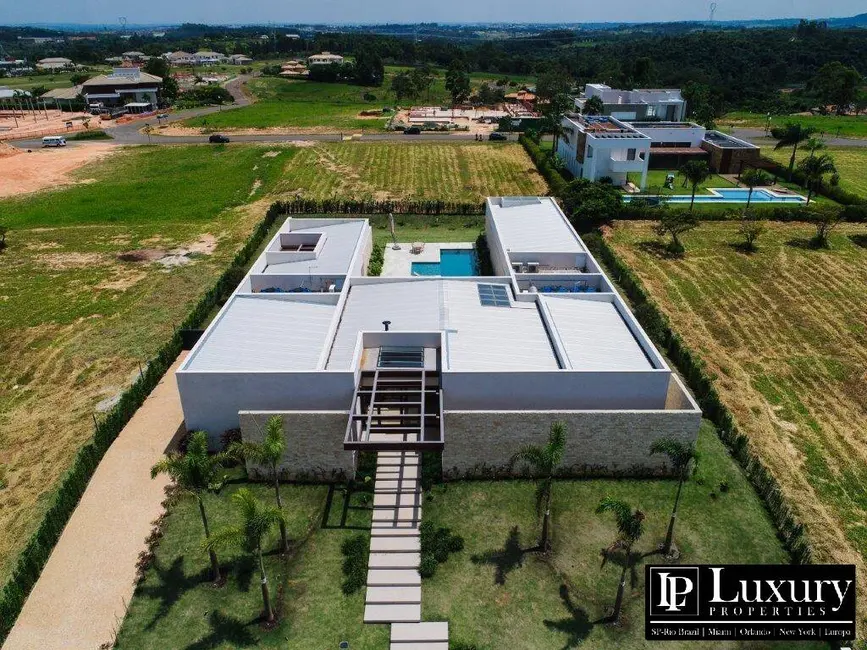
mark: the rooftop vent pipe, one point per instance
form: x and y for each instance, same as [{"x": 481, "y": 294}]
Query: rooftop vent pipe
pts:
[{"x": 385, "y": 324}]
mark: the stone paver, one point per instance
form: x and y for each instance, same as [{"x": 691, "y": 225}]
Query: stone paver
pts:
[
  {"x": 413, "y": 633},
  {"x": 80, "y": 598}
]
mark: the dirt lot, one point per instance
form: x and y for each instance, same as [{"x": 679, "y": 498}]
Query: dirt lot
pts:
[
  {"x": 41, "y": 123},
  {"x": 24, "y": 172}
]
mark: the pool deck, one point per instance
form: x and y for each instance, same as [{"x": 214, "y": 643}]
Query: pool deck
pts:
[{"x": 398, "y": 263}]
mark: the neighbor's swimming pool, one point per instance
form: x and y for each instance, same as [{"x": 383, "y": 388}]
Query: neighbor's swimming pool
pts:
[
  {"x": 719, "y": 195},
  {"x": 457, "y": 262}
]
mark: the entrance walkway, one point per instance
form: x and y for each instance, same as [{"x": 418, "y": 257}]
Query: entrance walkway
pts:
[
  {"x": 393, "y": 580},
  {"x": 80, "y": 599}
]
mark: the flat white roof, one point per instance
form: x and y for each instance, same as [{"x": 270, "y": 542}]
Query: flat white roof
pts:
[
  {"x": 477, "y": 337},
  {"x": 533, "y": 224},
  {"x": 336, "y": 254},
  {"x": 265, "y": 332},
  {"x": 595, "y": 335}
]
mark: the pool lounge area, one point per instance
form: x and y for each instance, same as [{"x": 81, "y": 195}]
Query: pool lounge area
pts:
[
  {"x": 724, "y": 195},
  {"x": 454, "y": 262}
]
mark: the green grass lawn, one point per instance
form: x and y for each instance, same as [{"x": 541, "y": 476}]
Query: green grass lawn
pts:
[
  {"x": 491, "y": 593},
  {"x": 656, "y": 183},
  {"x": 49, "y": 81},
  {"x": 851, "y": 164},
  {"x": 77, "y": 320},
  {"x": 847, "y": 126},
  {"x": 497, "y": 596}
]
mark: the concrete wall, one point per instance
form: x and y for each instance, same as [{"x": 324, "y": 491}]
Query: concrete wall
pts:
[
  {"x": 212, "y": 400},
  {"x": 616, "y": 443},
  {"x": 314, "y": 449}
]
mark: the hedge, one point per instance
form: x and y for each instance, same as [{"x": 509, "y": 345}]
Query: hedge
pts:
[
  {"x": 556, "y": 182},
  {"x": 344, "y": 206},
  {"x": 35, "y": 553},
  {"x": 658, "y": 327}
]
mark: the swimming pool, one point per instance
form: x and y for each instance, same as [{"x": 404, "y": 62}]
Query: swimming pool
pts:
[
  {"x": 720, "y": 195},
  {"x": 454, "y": 262}
]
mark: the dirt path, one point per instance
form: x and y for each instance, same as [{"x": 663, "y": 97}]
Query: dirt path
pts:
[
  {"x": 24, "y": 172},
  {"x": 80, "y": 599}
]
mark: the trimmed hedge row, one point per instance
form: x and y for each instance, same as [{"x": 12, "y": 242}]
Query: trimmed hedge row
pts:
[
  {"x": 658, "y": 327},
  {"x": 35, "y": 553},
  {"x": 556, "y": 182},
  {"x": 838, "y": 194},
  {"x": 342, "y": 206},
  {"x": 783, "y": 212}
]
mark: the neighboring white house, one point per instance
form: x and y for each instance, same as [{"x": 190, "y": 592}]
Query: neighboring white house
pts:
[
  {"x": 325, "y": 58},
  {"x": 180, "y": 58},
  {"x": 204, "y": 57},
  {"x": 665, "y": 104},
  {"x": 54, "y": 63},
  {"x": 240, "y": 59},
  {"x": 475, "y": 367},
  {"x": 595, "y": 147}
]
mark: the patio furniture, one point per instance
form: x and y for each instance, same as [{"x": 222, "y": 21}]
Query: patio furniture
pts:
[{"x": 417, "y": 247}]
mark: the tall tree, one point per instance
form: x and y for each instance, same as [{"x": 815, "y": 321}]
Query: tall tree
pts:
[
  {"x": 553, "y": 90},
  {"x": 630, "y": 527},
  {"x": 694, "y": 172},
  {"x": 402, "y": 86},
  {"x": 837, "y": 84},
  {"x": 369, "y": 69},
  {"x": 813, "y": 145},
  {"x": 196, "y": 473},
  {"x": 754, "y": 178},
  {"x": 593, "y": 106},
  {"x": 458, "y": 82},
  {"x": 814, "y": 169},
  {"x": 683, "y": 457},
  {"x": 423, "y": 78},
  {"x": 544, "y": 462},
  {"x": 792, "y": 135},
  {"x": 268, "y": 453},
  {"x": 675, "y": 223},
  {"x": 257, "y": 519}
]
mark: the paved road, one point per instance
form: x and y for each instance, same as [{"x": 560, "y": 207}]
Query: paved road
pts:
[{"x": 759, "y": 134}]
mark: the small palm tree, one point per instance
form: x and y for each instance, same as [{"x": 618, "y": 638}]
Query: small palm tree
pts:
[
  {"x": 544, "y": 462},
  {"x": 813, "y": 145},
  {"x": 683, "y": 457},
  {"x": 630, "y": 527},
  {"x": 196, "y": 473},
  {"x": 257, "y": 519},
  {"x": 269, "y": 453},
  {"x": 754, "y": 178},
  {"x": 695, "y": 172},
  {"x": 792, "y": 135},
  {"x": 814, "y": 169}
]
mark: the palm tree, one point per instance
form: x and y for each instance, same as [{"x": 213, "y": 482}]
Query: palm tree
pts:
[
  {"x": 792, "y": 135},
  {"x": 630, "y": 526},
  {"x": 695, "y": 172},
  {"x": 753, "y": 178},
  {"x": 683, "y": 457},
  {"x": 814, "y": 169},
  {"x": 544, "y": 462},
  {"x": 195, "y": 473},
  {"x": 813, "y": 145},
  {"x": 257, "y": 519},
  {"x": 269, "y": 452}
]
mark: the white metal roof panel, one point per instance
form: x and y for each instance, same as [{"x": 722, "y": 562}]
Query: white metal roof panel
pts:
[
  {"x": 477, "y": 337},
  {"x": 595, "y": 335},
  {"x": 265, "y": 333},
  {"x": 336, "y": 254},
  {"x": 533, "y": 225}
]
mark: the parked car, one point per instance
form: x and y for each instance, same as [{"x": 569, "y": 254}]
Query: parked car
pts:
[
  {"x": 218, "y": 139},
  {"x": 498, "y": 136},
  {"x": 413, "y": 130}
]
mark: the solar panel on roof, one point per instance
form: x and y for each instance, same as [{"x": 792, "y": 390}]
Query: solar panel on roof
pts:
[{"x": 493, "y": 295}]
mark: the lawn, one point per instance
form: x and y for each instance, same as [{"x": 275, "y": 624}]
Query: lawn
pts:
[
  {"x": 847, "y": 126},
  {"x": 310, "y": 106},
  {"x": 175, "y": 606},
  {"x": 656, "y": 183},
  {"x": 49, "y": 81},
  {"x": 540, "y": 604},
  {"x": 465, "y": 171},
  {"x": 783, "y": 332},
  {"x": 851, "y": 164},
  {"x": 77, "y": 321}
]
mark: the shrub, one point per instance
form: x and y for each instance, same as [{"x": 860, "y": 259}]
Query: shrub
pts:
[
  {"x": 436, "y": 545},
  {"x": 377, "y": 257},
  {"x": 355, "y": 550},
  {"x": 556, "y": 182},
  {"x": 428, "y": 565}
]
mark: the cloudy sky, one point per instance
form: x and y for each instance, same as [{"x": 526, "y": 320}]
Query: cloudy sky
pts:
[{"x": 368, "y": 11}]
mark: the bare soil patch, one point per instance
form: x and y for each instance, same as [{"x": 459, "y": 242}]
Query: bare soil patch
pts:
[
  {"x": 46, "y": 168},
  {"x": 63, "y": 261}
]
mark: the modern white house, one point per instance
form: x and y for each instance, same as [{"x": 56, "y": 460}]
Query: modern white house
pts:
[
  {"x": 665, "y": 104},
  {"x": 55, "y": 63},
  {"x": 596, "y": 147},
  {"x": 124, "y": 86},
  {"x": 206, "y": 57},
  {"x": 239, "y": 59},
  {"x": 472, "y": 366},
  {"x": 325, "y": 58}
]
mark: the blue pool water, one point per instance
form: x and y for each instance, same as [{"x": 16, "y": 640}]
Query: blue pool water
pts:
[
  {"x": 730, "y": 196},
  {"x": 458, "y": 262}
]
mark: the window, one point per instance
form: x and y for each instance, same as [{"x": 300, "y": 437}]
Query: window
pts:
[
  {"x": 589, "y": 151},
  {"x": 401, "y": 357},
  {"x": 630, "y": 154},
  {"x": 493, "y": 295}
]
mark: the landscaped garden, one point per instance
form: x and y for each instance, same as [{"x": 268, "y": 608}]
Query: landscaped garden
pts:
[
  {"x": 497, "y": 592},
  {"x": 781, "y": 330},
  {"x": 851, "y": 163},
  {"x": 656, "y": 183}
]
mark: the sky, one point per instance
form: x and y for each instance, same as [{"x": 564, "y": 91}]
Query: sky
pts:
[{"x": 107, "y": 12}]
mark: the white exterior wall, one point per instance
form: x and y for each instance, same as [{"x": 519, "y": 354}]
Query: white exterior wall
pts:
[{"x": 693, "y": 135}]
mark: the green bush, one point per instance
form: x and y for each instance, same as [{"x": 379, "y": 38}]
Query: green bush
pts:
[
  {"x": 436, "y": 546},
  {"x": 355, "y": 550},
  {"x": 428, "y": 565},
  {"x": 483, "y": 254},
  {"x": 377, "y": 257},
  {"x": 556, "y": 182},
  {"x": 94, "y": 134}
]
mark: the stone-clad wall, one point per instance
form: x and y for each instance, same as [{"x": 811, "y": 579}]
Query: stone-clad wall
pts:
[
  {"x": 606, "y": 443},
  {"x": 314, "y": 443}
]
